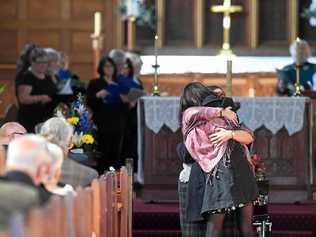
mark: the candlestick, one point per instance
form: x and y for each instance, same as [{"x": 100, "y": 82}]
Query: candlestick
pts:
[
  {"x": 298, "y": 63},
  {"x": 229, "y": 78},
  {"x": 97, "y": 23},
  {"x": 156, "y": 66}
]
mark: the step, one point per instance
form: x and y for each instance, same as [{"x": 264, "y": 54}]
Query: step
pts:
[
  {"x": 160, "y": 221},
  {"x": 283, "y": 233}
]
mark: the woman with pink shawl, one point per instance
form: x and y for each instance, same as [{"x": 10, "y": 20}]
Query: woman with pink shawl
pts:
[{"x": 217, "y": 142}]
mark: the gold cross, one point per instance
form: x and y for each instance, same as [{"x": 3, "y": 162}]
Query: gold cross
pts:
[{"x": 226, "y": 9}]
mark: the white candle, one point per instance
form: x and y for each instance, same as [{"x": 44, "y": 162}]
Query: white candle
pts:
[
  {"x": 97, "y": 23},
  {"x": 156, "y": 49}
]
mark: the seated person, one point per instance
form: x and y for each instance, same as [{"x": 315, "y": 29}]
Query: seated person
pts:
[
  {"x": 60, "y": 132},
  {"x": 28, "y": 163},
  {"x": 52, "y": 183},
  {"x": 300, "y": 52}
]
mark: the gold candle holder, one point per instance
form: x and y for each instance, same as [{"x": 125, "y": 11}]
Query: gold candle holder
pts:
[
  {"x": 297, "y": 85},
  {"x": 155, "y": 88}
]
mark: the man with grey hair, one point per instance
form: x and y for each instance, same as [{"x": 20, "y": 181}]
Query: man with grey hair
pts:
[
  {"x": 59, "y": 131},
  {"x": 300, "y": 53},
  {"x": 29, "y": 163}
]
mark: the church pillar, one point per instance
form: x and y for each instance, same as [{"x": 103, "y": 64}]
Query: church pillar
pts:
[
  {"x": 160, "y": 13},
  {"x": 293, "y": 20},
  {"x": 253, "y": 30},
  {"x": 199, "y": 23}
]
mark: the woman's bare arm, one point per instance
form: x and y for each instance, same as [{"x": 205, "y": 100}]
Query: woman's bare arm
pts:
[
  {"x": 222, "y": 135},
  {"x": 25, "y": 97}
]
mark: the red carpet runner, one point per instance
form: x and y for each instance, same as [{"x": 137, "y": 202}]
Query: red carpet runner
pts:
[{"x": 162, "y": 219}]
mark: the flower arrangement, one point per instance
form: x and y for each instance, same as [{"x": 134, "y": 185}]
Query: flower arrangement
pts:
[
  {"x": 80, "y": 117},
  {"x": 259, "y": 167}
]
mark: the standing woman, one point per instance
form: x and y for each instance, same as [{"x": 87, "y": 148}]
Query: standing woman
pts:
[
  {"x": 104, "y": 98},
  {"x": 36, "y": 92}
]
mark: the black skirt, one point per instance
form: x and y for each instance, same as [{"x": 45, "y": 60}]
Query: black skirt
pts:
[{"x": 231, "y": 185}]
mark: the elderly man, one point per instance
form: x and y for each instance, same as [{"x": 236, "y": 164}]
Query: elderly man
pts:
[
  {"x": 27, "y": 166},
  {"x": 59, "y": 131},
  {"x": 28, "y": 163},
  {"x": 9, "y": 131}
]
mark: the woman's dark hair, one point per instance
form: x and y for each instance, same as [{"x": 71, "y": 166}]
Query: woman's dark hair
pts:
[
  {"x": 24, "y": 62},
  {"x": 222, "y": 102},
  {"x": 130, "y": 67},
  {"x": 36, "y": 53},
  {"x": 101, "y": 65},
  {"x": 193, "y": 95}
]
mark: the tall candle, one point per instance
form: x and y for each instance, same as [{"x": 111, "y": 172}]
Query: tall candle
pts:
[
  {"x": 156, "y": 49},
  {"x": 97, "y": 23}
]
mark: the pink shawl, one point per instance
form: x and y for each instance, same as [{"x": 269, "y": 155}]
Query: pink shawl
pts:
[{"x": 198, "y": 123}]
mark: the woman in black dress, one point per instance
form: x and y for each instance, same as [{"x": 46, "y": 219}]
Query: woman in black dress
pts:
[
  {"x": 104, "y": 98},
  {"x": 36, "y": 92}
]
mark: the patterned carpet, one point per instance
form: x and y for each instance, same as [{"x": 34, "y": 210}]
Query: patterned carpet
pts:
[{"x": 162, "y": 219}]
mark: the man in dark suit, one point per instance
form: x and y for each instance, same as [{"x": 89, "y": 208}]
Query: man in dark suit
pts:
[{"x": 11, "y": 203}]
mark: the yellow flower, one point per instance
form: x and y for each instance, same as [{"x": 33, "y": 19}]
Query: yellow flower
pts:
[
  {"x": 87, "y": 139},
  {"x": 73, "y": 120}
]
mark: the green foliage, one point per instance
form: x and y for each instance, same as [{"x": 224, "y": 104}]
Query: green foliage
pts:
[
  {"x": 146, "y": 14},
  {"x": 2, "y": 88}
]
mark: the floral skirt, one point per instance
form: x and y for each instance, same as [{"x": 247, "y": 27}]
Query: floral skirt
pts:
[{"x": 231, "y": 185}]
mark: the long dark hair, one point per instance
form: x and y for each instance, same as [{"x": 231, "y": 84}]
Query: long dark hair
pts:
[
  {"x": 193, "y": 95},
  {"x": 101, "y": 65}
]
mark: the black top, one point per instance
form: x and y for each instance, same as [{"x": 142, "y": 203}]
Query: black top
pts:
[
  {"x": 31, "y": 114},
  {"x": 19, "y": 177}
]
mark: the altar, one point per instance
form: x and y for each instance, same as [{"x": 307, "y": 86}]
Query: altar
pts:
[{"x": 283, "y": 137}]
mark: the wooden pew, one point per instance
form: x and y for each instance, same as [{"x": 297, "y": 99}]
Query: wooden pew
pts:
[
  {"x": 125, "y": 192},
  {"x": 109, "y": 207},
  {"x": 96, "y": 208},
  {"x": 102, "y": 210},
  {"x": 82, "y": 213}
]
